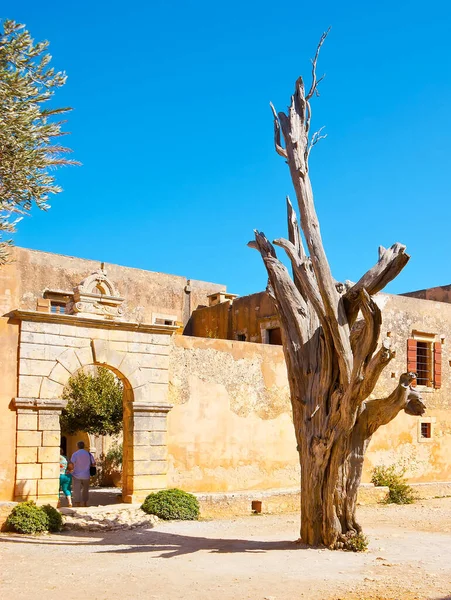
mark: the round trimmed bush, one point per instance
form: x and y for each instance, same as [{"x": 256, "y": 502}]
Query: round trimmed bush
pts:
[
  {"x": 172, "y": 504},
  {"x": 26, "y": 517},
  {"x": 54, "y": 517}
]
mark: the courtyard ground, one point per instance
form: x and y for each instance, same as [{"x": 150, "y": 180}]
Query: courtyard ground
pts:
[{"x": 251, "y": 557}]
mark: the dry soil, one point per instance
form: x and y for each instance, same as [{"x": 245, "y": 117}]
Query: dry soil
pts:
[{"x": 251, "y": 557}]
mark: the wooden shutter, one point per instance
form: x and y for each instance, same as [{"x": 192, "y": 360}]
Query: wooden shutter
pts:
[
  {"x": 437, "y": 365},
  {"x": 412, "y": 357}
]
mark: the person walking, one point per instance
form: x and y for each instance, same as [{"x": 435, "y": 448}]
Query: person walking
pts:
[
  {"x": 66, "y": 478},
  {"x": 83, "y": 461}
]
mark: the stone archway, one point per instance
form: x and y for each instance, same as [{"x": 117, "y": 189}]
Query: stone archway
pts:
[{"x": 52, "y": 348}]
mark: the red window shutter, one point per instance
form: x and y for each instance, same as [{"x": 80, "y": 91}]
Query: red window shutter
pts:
[
  {"x": 437, "y": 365},
  {"x": 412, "y": 357}
]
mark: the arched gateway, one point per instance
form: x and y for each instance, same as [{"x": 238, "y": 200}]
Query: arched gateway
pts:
[{"x": 52, "y": 347}]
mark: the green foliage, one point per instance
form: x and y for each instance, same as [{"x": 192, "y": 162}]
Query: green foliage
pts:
[
  {"x": 356, "y": 543},
  {"x": 28, "y": 151},
  {"x": 393, "y": 477},
  {"x": 113, "y": 458},
  {"x": 172, "y": 504},
  {"x": 94, "y": 403},
  {"x": 26, "y": 517},
  {"x": 55, "y": 518}
]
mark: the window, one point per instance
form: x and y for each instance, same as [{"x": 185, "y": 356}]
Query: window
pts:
[
  {"x": 164, "y": 322},
  {"x": 58, "y": 307},
  {"x": 275, "y": 336},
  {"x": 424, "y": 357},
  {"x": 426, "y": 427},
  {"x": 241, "y": 337},
  {"x": 424, "y": 363},
  {"x": 426, "y": 430}
]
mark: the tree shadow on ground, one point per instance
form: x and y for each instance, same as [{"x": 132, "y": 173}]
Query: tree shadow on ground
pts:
[{"x": 159, "y": 543}]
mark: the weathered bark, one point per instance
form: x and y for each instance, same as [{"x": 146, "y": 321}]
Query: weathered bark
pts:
[{"x": 330, "y": 338}]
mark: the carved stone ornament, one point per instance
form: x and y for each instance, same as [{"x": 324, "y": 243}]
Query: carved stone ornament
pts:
[{"x": 97, "y": 297}]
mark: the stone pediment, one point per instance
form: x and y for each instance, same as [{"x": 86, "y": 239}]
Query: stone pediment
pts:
[{"x": 96, "y": 296}]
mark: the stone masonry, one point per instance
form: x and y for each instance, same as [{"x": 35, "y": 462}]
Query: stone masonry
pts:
[{"x": 55, "y": 346}]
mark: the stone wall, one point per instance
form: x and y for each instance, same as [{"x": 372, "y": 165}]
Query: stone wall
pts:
[
  {"x": 145, "y": 292},
  {"x": 227, "y": 320},
  {"x": 23, "y": 282},
  {"x": 230, "y": 427}
]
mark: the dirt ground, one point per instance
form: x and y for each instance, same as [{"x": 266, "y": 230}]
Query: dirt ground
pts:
[{"x": 251, "y": 557}]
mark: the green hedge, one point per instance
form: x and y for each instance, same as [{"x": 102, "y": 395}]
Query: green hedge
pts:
[
  {"x": 27, "y": 517},
  {"x": 172, "y": 504}
]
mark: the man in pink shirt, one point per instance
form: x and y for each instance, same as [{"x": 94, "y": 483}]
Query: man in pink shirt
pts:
[{"x": 83, "y": 460}]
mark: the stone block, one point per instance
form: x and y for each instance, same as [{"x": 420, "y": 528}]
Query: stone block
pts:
[
  {"x": 60, "y": 374},
  {"x": 150, "y": 453},
  {"x": 149, "y": 422},
  {"x": 84, "y": 355},
  {"x": 139, "y": 467},
  {"x": 69, "y": 360},
  {"x": 141, "y": 438},
  {"x": 39, "y": 327},
  {"x": 29, "y": 438},
  {"x": 51, "y": 389},
  {"x": 146, "y": 482},
  {"x": 27, "y": 422},
  {"x": 114, "y": 358},
  {"x": 156, "y": 375},
  {"x": 100, "y": 350},
  {"x": 29, "y": 386},
  {"x": 33, "y": 338},
  {"x": 138, "y": 377},
  {"x": 50, "y": 470},
  {"x": 28, "y": 471},
  {"x": 27, "y": 455},
  {"x": 119, "y": 346},
  {"x": 52, "y": 499},
  {"x": 118, "y": 335},
  {"x": 151, "y": 392},
  {"x": 99, "y": 334},
  {"x": 51, "y": 438},
  {"x": 65, "y": 340},
  {"x": 128, "y": 365},
  {"x": 76, "y": 331},
  {"x": 153, "y": 361},
  {"x": 29, "y": 366},
  {"x": 157, "y": 339},
  {"x": 48, "y": 487},
  {"x": 157, "y": 453},
  {"x": 40, "y": 352},
  {"x": 24, "y": 489},
  {"x": 48, "y": 454},
  {"x": 49, "y": 422}
]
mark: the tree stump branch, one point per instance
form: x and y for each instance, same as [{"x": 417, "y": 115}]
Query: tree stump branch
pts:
[{"x": 330, "y": 334}]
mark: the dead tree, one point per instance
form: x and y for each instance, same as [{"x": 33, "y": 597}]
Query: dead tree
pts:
[{"x": 330, "y": 337}]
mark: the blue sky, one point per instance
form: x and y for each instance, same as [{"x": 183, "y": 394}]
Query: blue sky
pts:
[{"x": 172, "y": 124}]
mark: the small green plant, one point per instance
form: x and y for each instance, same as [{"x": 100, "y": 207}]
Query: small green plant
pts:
[
  {"x": 399, "y": 492},
  {"x": 356, "y": 543},
  {"x": 26, "y": 517},
  {"x": 172, "y": 504},
  {"x": 55, "y": 519},
  {"x": 113, "y": 458}
]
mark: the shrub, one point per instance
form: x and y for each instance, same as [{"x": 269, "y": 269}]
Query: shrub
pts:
[
  {"x": 26, "y": 517},
  {"x": 172, "y": 504},
  {"x": 356, "y": 543},
  {"x": 54, "y": 517},
  {"x": 399, "y": 492},
  {"x": 94, "y": 403},
  {"x": 113, "y": 457}
]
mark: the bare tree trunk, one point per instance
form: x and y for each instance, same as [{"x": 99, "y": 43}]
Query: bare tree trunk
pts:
[{"x": 330, "y": 339}]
